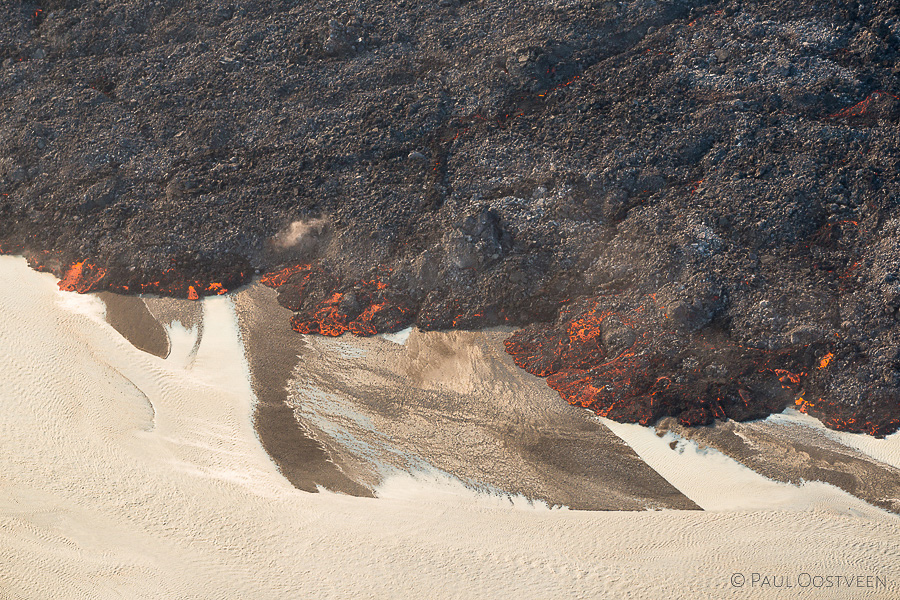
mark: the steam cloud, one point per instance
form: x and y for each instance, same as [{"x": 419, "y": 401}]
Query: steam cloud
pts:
[{"x": 300, "y": 235}]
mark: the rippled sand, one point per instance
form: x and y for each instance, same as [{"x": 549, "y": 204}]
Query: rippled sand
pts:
[{"x": 123, "y": 474}]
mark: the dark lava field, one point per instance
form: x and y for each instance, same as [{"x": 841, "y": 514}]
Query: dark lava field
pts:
[{"x": 688, "y": 208}]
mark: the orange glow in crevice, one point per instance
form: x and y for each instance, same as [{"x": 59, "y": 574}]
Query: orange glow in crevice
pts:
[
  {"x": 867, "y": 107},
  {"x": 278, "y": 278}
]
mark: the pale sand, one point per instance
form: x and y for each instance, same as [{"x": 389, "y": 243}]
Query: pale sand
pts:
[
  {"x": 793, "y": 448},
  {"x": 126, "y": 475}
]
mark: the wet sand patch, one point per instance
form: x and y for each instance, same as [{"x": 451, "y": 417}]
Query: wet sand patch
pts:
[
  {"x": 169, "y": 310},
  {"x": 454, "y": 401}
]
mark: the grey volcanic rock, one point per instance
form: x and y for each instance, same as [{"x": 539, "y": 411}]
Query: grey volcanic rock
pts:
[{"x": 492, "y": 160}]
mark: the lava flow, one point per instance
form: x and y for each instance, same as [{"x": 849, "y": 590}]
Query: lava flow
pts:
[
  {"x": 82, "y": 277},
  {"x": 325, "y": 307},
  {"x": 877, "y": 105},
  {"x": 842, "y": 418},
  {"x": 181, "y": 280},
  {"x": 615, "y": 356},
  {"x": 617, "y": 362}
]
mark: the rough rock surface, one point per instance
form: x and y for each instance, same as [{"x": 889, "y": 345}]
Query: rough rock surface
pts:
[{"x": 693, "y": 205}]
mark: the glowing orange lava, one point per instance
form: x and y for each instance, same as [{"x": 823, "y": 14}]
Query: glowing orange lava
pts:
[
  {"x": 278, "y": 278},
  {"x": 82, "y": 277},
  {"x": 867, "y": 107}
]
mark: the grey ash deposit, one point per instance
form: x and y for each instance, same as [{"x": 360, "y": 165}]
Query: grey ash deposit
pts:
[{"x": 721, "y": 176}]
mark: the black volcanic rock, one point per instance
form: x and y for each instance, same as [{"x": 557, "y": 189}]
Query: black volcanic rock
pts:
[{"x": 731, "y": 165}]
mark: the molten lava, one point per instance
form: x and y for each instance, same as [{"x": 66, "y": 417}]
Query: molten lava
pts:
[
  {"x": 325, "y": 307},
  {"x": 616, "y": 361},
  {"x": 877, "y": 105},
  {"x": 82, "y": 277},
  {"x": 278, "y": 278}
]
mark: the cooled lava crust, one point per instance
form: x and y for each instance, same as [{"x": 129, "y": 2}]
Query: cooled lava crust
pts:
[{"x": 690, "y": 208}]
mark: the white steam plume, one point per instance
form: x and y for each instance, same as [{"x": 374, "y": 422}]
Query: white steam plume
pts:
[{"x": 300, "y": 234}]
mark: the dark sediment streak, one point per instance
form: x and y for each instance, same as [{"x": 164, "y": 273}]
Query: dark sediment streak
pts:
[
  {"x": 271, "y": 352},
  {"x": 454, "y": 401},
  {"x": 129, "y": 316}
]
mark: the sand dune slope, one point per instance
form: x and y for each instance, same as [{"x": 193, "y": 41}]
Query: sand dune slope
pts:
[{"x": 126, "y": 475}]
